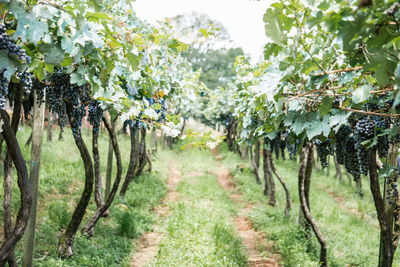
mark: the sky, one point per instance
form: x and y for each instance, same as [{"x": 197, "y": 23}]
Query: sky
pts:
[{"x": 242, "y": 18}]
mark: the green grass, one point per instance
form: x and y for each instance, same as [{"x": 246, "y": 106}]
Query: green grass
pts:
[
  {"x": 61, "y": 184},
  {"x": 199, "y": 231},
  {"x": 352, "y": 241}
]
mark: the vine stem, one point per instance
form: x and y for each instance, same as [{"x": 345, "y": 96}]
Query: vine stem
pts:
[
  {"x": 337, "y": 71},
  {"x": 4, "y": 16},
  {"x": 350, "y": 109},
  {"x": 369, "y": 112},
  {"x": 305, "y": 47}
]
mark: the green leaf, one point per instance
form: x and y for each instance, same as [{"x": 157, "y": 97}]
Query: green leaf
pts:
[
  {"x": 10, "y": 64},
  {"x": 298, "y": 125},
  {"x": 325, "y": 106},
  {"x": 54, "y": 56},
  {"x": 273, "y": 24},
  {"x": 133, "y": 61},
  {"x": 67, "y": 61},
  {"x": 317, "y": 127},
  {"x": 204, "y": 32},
  {"x": 98, "y": 16},
  {"x": 386, "y": 171},
  {"x": 67, "y": 44},
  {"x": 338, "y": 118},
  {"x": 40, "y": 71},
  {"x": 324, "y": 6},
  {"x": 49, "y": 68},
  {"x": 346, "y": 77},
  {"x": 296, "y": 105},
  {"x": 78, "y": 79},
  {"x": 156, "y": 106},
  {"x": 36, "y": 31},
  {"x": 362, "y": 93}
]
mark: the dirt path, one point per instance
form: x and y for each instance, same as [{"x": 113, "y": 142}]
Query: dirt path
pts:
[
  {"x": 253, "y": 241},
  {"x": 148, "y": 243},
  {"x": 343, "y": 206}
]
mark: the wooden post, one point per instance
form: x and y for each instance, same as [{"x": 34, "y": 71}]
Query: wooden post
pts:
[{"x": 36, "y": 154}]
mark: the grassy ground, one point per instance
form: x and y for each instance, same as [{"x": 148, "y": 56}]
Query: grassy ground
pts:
[
  {"x": 199, "y": 231},
  {"x": 347, "y": 222},
  {"x": 61, "y": 182}
]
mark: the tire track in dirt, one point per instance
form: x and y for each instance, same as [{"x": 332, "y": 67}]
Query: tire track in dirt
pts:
[
  {"x": 253, "y": 241},
  {"x": 148, "y": 243}
]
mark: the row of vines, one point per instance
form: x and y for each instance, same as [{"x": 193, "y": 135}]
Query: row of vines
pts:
[
  {"x": 329, "y": 85},
  {"x": 81, "y": 60}
]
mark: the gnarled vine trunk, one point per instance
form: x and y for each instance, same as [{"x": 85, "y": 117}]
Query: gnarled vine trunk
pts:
[
  {"x": 29, "y": 140},
  {"x": 257, "y": 153},
  {"x": 8, "y": 173},
  {"x": 287, "y": 192},
  {"x": 307, "y": 183},
  {"x": 98, "y": 187},
  {"x": 50, "y": 123},
  {"x": 231, "y": 134},
  {"x": 254, "y": 165},
  {"x": 133, "y": 161},
  {"x": 89, "y": 227},
  {"x": 23, "y": 183},
  {"x": 153, "y": 141},
  {"x": 142, "y": 153},
  {"x": 65, "y": 245},
  {"x": 387, "y": 207},
  {"x": 305, "y": 163},
  {"x": 148, "y": 159},
  {"x": 269, "y": 189},
  {"x": 338, "y": 174},
  {"x": 109, "y": 163},
  {"x": 266, "y": 179}
]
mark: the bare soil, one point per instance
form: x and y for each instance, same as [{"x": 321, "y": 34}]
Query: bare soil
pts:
[
  {"x": 253, "y": 240},
  {"x": 148, "y": 243}
]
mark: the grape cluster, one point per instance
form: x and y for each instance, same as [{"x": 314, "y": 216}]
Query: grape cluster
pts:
[
  {"x": 350, "y": 148},
  {"x": 60, "y": 93},
  {"x": 40, "y": 88},
  {"x": 135, "y": 123},
  {"x": 383, "y": 145},
  {"x": 27, "y": 103},
  {"x": 26, "y": 81},
  {"x": 78, "y": 113},
  {"x": 392, "y": 192},
  {"x": 363, "y": 157},
  {"x": 95, "y": 114},
  {"x": 336, "y": 102},
  {"x": 351, "y": 163},
  {"x": 6, "y": 43},
  {"x": 163, "y": 111},
  {"x": 383, "y": 139},
  {"x": 292, "y": 148},
  {"x": 341, "y": 141},
  {"x": 365, "y": 129},
  {"x": 3, "y": 91},
  {"x": 54, "y": 94},
  {"x": 324, "y": 149}
]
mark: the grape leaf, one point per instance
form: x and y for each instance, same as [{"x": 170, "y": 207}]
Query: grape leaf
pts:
[{"x": 362, "y": 93}]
